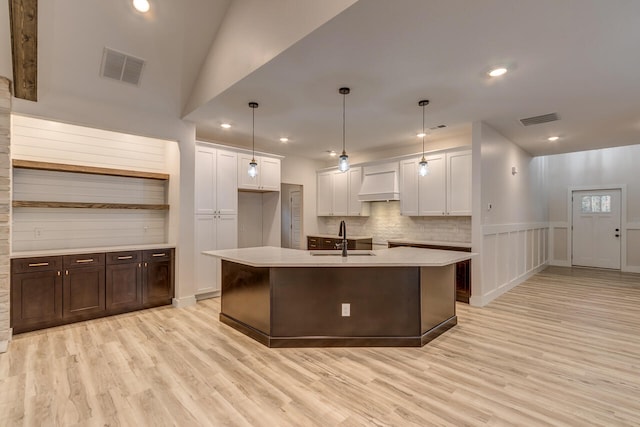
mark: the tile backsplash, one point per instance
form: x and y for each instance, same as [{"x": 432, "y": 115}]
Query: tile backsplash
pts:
[{"x": 386, "y": 223}]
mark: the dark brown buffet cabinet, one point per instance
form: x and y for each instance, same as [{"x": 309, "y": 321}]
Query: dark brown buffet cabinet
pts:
[
  {"x": 55, "y": 290},
  {"x": 463, "y": 268}
]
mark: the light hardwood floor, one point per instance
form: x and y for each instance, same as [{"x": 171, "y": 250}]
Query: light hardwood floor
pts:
[{"x": 561, "y": 349}]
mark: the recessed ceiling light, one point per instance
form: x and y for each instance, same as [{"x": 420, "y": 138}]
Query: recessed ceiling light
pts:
[
  {"x": 141, "y": 5},
  {"x": 498, "y": 71},
  {"x": 284, "y": 139},
  {"x": 421, "y": 134},
  {"x": 332, "y": 153},
  {"x": 225, "y": 125},
  {"x": 553, "y": 138}
]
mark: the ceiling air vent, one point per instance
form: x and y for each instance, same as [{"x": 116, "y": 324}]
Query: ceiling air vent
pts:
[
  {"x": 537, "y": 120},
  {"x": 122, "y": 67}
]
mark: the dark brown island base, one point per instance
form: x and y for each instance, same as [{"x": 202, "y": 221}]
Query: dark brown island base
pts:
[{"x": 402, "y": 297}]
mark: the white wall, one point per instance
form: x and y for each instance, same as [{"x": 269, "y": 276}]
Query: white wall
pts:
[
  {"x": 605, "y": 168},
  {"x": 511, "y": 236}
]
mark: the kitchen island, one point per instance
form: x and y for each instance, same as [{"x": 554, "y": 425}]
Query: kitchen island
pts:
[{"x": 292, "y": 298}]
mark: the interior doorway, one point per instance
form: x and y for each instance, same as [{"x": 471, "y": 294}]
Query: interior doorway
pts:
[
  {"x": 596, "y": 233},
  {"x": 292, "y": 216}
]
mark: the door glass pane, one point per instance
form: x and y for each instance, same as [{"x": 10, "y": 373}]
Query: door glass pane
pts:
[{"x": 596, "y": 204}]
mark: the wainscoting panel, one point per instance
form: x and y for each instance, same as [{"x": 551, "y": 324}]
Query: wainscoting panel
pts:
[{"x": 511, "y": 253}]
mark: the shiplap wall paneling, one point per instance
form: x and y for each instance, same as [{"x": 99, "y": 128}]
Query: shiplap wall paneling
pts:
[
  {"x": 76, "y": 187},
  {"x": 44, "y": 229},
  {"x": 44, "y": 140}
]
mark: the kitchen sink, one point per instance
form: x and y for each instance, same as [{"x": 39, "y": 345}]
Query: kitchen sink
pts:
[{"x": 355, "y": 252}]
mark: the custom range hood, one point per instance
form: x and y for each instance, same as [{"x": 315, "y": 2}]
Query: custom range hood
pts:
[{"x": 380, "y": 183}]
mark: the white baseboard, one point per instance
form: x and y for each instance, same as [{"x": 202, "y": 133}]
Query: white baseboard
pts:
[
  {"x": 482, "y": 300},
  {"x": 4, "y": 346},
  {"x": 184, "y": 301},
  {"x": 206, "y": 295},
  {"x": 631, "y": 269},
  {"x": 557, "y": 263}
]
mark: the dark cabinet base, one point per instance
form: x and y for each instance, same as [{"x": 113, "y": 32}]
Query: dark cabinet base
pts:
[
  {"x": 53, "y": 291},
  {"x": 463, "y": 268},
  {"x": 301, "y": 306}
]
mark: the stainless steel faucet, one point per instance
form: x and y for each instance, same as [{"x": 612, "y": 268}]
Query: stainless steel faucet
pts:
[{"x": 343, "y": 233}]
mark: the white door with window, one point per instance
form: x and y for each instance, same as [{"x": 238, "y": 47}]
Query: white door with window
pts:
[{"x": 596, "y": 228}]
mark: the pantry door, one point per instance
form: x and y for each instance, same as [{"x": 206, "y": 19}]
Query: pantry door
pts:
[{"x": 596, "y": 228}]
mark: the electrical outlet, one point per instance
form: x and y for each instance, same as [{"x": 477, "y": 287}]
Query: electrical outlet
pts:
[
  {"x": 346, "y": 310},
  {"x": 37, "y": 233}
]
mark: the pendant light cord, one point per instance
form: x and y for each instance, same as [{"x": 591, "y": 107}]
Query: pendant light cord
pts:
[
  {"x": 344, "y": 97},
  {"x": 423, "y": 134},
  {"x": 253, "y": 132}
]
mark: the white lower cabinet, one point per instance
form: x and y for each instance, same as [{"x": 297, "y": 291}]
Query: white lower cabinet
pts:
[
  {"x": 445, "y": 190},
  {"x": 212, "y": 232}
]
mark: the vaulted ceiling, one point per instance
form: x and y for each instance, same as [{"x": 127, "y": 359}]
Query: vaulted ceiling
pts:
[{"x": 576, "y": 58}]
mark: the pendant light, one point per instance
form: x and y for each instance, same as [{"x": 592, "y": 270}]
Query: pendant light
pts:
[
  {"x": 343, "y": 163},
  {"x": 253, "y": 166},
  {"x": 423, "y": 168}
]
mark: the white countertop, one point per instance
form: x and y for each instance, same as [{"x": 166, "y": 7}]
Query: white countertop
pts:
[
  {"x": 335, "y": 236},
  {"x": 431, "y": 242},
  {"x": 268, "y": 256},
  {"x": 59, "y": 252}
]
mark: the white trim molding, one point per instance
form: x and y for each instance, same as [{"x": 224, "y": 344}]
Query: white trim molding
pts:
[{"x": 184, "y": 301}]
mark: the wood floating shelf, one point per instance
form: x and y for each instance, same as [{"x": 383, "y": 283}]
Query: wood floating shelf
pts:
[
  {"x": 61, "y": 167},
  {"x": 86, "y": 205}
]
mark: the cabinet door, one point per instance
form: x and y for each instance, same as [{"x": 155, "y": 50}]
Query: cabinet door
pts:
[
  {"x": 226, "y": 183},
  {"x": 340, "y": 193},
  {"x": 83, "y": 292},
  {"x": 432, "y": 197},
  {"x": 355, "y": 181},
  {"x": 459, "y": 183},
  {"x": 269, "y": 173},
  {"x": 36, "y": 300},
  {"x": 244, "y": 180},
  {"x": 325, "y": 194},
  {"x": 123, "y": 287},
  {"x": 157, "y": 277},
  {"x": 409, "y": 188},
  {"x": 205, "y": 180},
  {"x": 205, "y": 272}
]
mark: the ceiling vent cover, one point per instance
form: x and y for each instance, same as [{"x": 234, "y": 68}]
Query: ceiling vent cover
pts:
[
  {"x": 537, "y": 120},
  {"x": 122, "y": 67}
]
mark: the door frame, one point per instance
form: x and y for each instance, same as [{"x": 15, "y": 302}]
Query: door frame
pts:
[{"x": 623, "y": 218}]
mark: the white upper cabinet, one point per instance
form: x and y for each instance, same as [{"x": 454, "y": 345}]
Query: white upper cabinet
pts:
[
  {"x": 432, "y": 188},
  {"x": 445, "y": 190},
  {"x": 337, "y": 193},
  {"x": 459, "y": 180},
  {"x": 268, "y": 177},
  {"x": 215, "y": 181}
]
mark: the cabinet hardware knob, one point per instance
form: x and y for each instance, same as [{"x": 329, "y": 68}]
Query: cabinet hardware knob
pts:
[
  {"x": 145, "y": 265},
  {"x": 58, "y": 274},
  {"x": 617, "y": 235},
  {"x": 139, "y": 265},
  {"x": 126, "y": 257},
  {"x": 39, "y": 264},
  {"x": 82, "y": 261},
  {"x": 66, "y": 272}
]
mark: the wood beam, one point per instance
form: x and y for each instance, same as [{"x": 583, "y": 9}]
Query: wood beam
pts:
[{"x": 24, "y": 47}]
